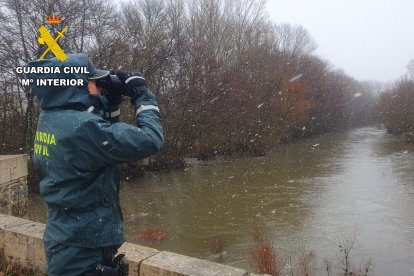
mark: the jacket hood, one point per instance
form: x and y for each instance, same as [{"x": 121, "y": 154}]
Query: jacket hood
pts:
[{"x": 50, "y": 96}]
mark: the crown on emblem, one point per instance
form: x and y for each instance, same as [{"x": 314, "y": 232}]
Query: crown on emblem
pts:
[{"x": 53, "y": 19}]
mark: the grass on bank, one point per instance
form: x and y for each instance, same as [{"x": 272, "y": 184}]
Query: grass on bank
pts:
[
  {"x": 265, "y": 259},
  {"x": 11, "y": 268}
]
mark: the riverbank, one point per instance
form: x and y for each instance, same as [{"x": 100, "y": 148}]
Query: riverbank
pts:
[
  {"x": 408, "y": 137},
  {"x": 304, "y": 193}
]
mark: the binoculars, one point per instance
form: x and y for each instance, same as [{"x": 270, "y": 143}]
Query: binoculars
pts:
[{"x": 110, "y": 83}]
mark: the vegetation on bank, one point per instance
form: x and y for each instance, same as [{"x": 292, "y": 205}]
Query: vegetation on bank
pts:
[
  {"x": 226, "y": 77},
  {"x": 265, "y": 259},
  {"x": 8, "y": 268},
  {"x": 395, "y": 108}
]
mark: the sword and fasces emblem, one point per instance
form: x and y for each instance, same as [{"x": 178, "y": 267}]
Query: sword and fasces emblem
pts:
[{"x": 46, "y": 37}]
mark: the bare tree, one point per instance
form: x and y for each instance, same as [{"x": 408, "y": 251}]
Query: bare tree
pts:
[
  {"x": 410, "y": 68},
  {"x": 217, "y": 66},
  {"x": 295, "y": 40}
]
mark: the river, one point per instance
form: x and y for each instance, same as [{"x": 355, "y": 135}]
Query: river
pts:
[{"x": 308, "y": 195}]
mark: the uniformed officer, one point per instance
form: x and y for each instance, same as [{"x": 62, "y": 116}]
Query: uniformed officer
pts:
[{"x": 79, "y": 179}]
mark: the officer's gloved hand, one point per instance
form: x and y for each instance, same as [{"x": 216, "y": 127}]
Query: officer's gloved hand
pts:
[
  {"x": 137, "y": 89},
  {"x": 135, "y": 84},
  {"x": 114, "y": 97}
]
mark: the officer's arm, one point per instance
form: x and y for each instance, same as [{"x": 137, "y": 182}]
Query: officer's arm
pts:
[
  {"x": 106, "y": 108},
  {"x": 112, "y": 114},
  {"x": 102, "y": 143},
  {"x": 110, "y": 104}
]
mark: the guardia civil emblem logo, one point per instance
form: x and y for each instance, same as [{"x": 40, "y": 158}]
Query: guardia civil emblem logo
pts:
[{"x": 52, "y": 42}]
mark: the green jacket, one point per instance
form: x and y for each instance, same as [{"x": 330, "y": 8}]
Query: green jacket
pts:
[{"x": 76, "y": 151}]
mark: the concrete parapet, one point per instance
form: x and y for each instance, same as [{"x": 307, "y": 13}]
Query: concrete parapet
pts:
[
  {"x": 136, "y": 254},
  {"x": 171, "y": 264},
  {"x": 13, "y": 184},
  {"x": 21, "y": 241}
]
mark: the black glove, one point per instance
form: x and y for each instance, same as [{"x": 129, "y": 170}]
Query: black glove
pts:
[
  {"x": 135, "y": 84},
  {"x": 114, "y": 97}
]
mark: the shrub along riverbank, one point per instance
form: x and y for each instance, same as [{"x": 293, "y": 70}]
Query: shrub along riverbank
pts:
[
  {"x": 395, "y": 109},
  {"x": 264, "y": 258}
]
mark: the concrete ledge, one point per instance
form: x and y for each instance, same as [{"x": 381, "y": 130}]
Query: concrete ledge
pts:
[
  {"x": 7, "y": 222},
  {"x": 136, "y": 254},
  {"x": 13, "y": 184},
  {"x": 21, "y": 241},
  {"x": 24, "y": 244},
  {"x": 12, "y": 167},
  {"x": 171, "y": 264}
]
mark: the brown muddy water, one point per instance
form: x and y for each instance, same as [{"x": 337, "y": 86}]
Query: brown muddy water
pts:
[{"x": 309, "y": 194}]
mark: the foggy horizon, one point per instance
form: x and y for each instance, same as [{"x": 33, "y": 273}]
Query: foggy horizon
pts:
[{"x": 367, "y": 39}]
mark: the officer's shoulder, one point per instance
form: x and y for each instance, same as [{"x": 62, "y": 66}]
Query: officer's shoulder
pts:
[{"x": 81, "y": 119}]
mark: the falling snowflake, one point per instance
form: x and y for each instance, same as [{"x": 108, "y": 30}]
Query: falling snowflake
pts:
[
  {"x": 213, "y": 100},
  {"x": 296, "y": 78}
]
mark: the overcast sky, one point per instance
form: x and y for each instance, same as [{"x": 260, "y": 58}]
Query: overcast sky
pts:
[{"x": 368, "y": 39}]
